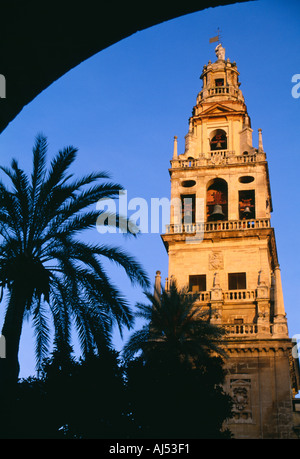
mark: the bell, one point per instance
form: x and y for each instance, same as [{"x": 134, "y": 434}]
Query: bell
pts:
[
  {"x": 217, "y": 213},
  {"x": 247, "y": 212}
]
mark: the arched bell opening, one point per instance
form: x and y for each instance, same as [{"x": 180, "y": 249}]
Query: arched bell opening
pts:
[
  {"x": 218, "y": 140},
  {"x": 217, "y": 200},
  {"x": 246, "y": 204}
]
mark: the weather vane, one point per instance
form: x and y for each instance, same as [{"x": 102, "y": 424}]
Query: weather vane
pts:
[
  {"x": 216, "y": 38},
  {"x": 220, "y": 51}
]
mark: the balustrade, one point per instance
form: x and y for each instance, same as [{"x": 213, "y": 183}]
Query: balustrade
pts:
[
  {"x": 217, "y": 157},
  {"x": 239, "y": 295},
  {"x": 203, "y": 297},
  {"x": 221, "y": 153},
  {"x": 218, "y": 90},
  {"x": 231, "y": 225},
  {"x": 241, "y": 329},
  {"x": 228, "y": 295},
  {"x": 222, "y": 90}
]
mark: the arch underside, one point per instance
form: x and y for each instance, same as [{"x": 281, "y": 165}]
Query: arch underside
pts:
[{"x": 40, "y": 44}]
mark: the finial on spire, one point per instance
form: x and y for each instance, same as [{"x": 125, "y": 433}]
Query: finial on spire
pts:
[
  {"x": 175, "y": 148},
  {"x": 260, "y": 142}
]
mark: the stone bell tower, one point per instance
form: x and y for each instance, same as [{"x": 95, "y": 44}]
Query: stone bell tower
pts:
[{"x": 221, "y": 244}]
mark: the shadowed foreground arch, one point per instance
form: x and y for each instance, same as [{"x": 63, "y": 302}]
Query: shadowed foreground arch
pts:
[{"x": 39, "y": 44}]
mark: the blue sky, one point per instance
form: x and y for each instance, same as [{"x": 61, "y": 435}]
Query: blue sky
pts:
[{"x": 123, "y": 106}]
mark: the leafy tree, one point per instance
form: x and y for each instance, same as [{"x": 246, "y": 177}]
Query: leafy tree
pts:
[
  {"x": 87, "y": 398},
  {"x": 175, "y": 370},
  {"x": 177, "y": 401},
  {"x": 74, "y": 399},
  {"x": 46, "y": 270}
]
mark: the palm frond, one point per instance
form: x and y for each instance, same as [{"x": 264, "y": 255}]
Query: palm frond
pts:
[
  {"x": 176, "y": 327},
  {"x": 10, "y": 207},
  {"x": 42, "y": 333},
  {"x": 133, "y": 269},
  {"x": 39, "y": 165},
  {"x": 45, "y": 266},
  {"x": 136, "y": 343}
]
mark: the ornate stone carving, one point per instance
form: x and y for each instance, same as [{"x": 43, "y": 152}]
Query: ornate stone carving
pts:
[
  {"x": 217, "y": 159},
  {"x": 240, "y": 398},
  {"x": 241, "y": 394},
  {"x": 216, "y": 261}
]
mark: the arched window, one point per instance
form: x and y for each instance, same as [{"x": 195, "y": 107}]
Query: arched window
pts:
[
  {"x": 218, "y": 140},
  {"x": 247, "y": 204},
  {"x": 190, "y": 161},
  {"x": 188, "y": 202},
  {"x": 217, "y": 200}
]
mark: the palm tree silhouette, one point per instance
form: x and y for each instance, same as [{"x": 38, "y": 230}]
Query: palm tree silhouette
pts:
[
  {"x": 45, "y": 268},
  {"x": 175, "y": 328},
  {"x": 174, "y": 369}
]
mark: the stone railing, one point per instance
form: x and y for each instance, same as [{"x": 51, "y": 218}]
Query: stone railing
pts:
[
  {"x": 249, "y": 158},
  {"x": 241, "y": 329},
  {"x": 216, "y": 158},
  {"x": 231, "y": 225},
  {"x": 239, "y": 295},
  {"x": 220, "y": 153},
  {"x": 220, "y": 90},
  {"x": 228, "y": 296},
  {"x": 203, "y": 297}
]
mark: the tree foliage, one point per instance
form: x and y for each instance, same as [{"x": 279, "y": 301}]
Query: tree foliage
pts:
[
  {"x": 75, "y": 399},
  {"x": 175, "y": 370},
  {"x": 49, "y": 274},
  {"x": 169, "y": 387},
  {"x": 174, "y": 328}
]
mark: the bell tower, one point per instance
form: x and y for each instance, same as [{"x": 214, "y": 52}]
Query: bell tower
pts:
[{"x": 222, "y": 246}]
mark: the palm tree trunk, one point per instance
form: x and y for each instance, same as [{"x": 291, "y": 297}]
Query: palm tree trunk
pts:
[
  {"x": 11, "y": 331},
  {"x": 9, "y": 365}
]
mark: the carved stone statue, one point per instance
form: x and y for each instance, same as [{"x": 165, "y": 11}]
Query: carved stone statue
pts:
[
  {"x": 220, "y": 52},
  {"x": 216, "y": 282},
  {"x": 260, "y": 280}
]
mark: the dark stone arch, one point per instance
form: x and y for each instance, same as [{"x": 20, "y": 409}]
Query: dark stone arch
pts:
[{"x": 40, "y": 41}]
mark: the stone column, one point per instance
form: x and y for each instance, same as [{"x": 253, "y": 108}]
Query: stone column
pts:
[
  {"x": 157, "y": 285},
  {"x": 175, "y": 153},
  {"x": 279, "y": 309},
  {"x": 280, "y": 321},
  {"x": 260, "y": 142},
  {"x": 263, "y": 306},
  {"x": 167, "y": 284}
]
